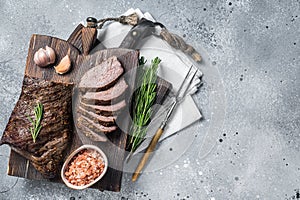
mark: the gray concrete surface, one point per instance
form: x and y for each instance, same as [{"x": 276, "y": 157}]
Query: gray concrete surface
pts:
[{"x": 255, "y": 45}]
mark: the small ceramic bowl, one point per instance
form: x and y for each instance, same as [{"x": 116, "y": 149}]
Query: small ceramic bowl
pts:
[{"x": 74, "y": 153}]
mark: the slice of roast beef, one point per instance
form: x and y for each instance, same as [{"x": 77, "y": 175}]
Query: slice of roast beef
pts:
[
  {"x": 98, "y": 128},
  {"x": 98, "y": 137},
  {"x": 105, "y": 110},
  {"x": 103, "y": 120},
  {"x": 46, "y": 153},
  {"x": 102, "y": 76},
  {"x": 113, "y": 94}
]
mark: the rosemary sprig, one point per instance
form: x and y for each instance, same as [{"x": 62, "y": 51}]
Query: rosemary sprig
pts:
[
  {"x": 36, "y": 123},
  {"x": 143, "y": 100}
]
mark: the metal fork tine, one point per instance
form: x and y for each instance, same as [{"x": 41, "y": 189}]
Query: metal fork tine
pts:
[
  {"x": 184, "y": 80},
  {"x": 188, "y": 84}
]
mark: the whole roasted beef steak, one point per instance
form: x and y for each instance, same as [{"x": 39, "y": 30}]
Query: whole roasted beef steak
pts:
[{"x": 46, "y": 152}]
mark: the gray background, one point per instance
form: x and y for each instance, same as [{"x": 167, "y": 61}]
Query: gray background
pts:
[{"x": 254, "y": 44}]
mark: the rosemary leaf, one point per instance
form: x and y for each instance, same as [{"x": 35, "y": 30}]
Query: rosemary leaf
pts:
[
  {"x": 36, "y": 122},
  {"x": 143, "y": 100}
]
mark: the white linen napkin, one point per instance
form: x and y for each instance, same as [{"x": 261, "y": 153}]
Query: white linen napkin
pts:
[{"x": 173, "y": 68}]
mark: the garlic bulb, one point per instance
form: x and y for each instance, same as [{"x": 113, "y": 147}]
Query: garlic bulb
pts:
[{"x": 44, "y": 57}]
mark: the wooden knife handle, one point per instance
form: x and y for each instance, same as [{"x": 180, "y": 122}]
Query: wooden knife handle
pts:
[{"x": 150, "y": 149}]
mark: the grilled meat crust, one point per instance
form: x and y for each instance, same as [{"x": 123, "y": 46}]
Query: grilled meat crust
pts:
[{"x": 46, "y": 153}]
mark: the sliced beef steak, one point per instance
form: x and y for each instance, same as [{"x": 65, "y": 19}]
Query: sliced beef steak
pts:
[
  {"x": 98, "y": 137},
  {"x": 105, "y": 110},
  {"x": 102, "y": 76},
  {"x": 46, "y": 153},
  {"x": 98, "y": 128},
  {"x": 103, "y": 120},
  {"x": 113, "y": 94}
]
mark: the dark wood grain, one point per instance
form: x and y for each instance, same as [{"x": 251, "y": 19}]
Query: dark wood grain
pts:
[
  {"x": 61, "y": 48},
  {"x": 83, "y": 38},
  {"x": 75, "y": 38},
  {"x": 89, "y": 36},
  {"x": 163, "y": 89},
  {"x": 115, "y": 148}
]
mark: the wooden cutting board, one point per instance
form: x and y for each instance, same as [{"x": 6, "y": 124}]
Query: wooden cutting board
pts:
[{"x": 76, "y": 46}]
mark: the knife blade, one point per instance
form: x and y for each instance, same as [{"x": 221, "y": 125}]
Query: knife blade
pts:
[{"x": 143, "y": 29}]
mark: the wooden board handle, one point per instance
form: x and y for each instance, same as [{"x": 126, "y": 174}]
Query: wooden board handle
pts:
[
  {"x": 150, "y": 149},
  {"x": 88, "y": 39},
  {"x": 75, "y": 38},
  {"x": 83, "y": 38}
]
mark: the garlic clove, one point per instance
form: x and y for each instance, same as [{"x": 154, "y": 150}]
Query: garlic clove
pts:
[
  {"x": 64, "y": 65},
  {"x": 44, "y": 57},
  {"x": 36, "y": 58},
  {"x": 51, "y": 54},
  {"x": 40, "y": 58}
]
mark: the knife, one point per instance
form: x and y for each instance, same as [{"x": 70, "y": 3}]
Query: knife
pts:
[{"x": 143, "y": 29}]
